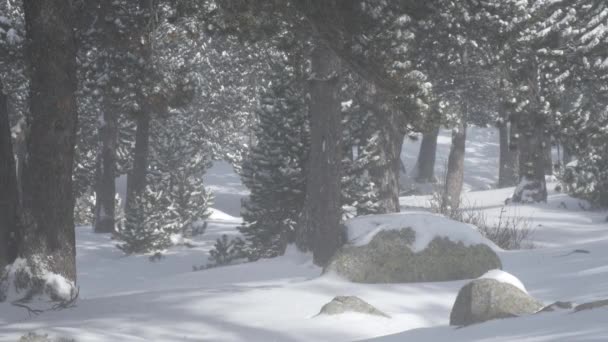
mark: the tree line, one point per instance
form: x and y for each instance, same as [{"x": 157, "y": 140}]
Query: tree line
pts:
[{"x": 310, "y": 100}]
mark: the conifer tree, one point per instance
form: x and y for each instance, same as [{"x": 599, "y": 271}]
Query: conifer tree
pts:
[{"x": 274, "y": 169}]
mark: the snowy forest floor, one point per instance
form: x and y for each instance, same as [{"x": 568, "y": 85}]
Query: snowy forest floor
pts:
[{"x": 133, "y": 299}]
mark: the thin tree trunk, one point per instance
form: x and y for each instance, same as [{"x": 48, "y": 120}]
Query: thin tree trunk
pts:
[
  {"x": 508, "y": 163},
  {"x": 20, "y": 155},
  {"x": 532, "y": 187},
  {"x": 425, "y": 165},
  {"x": 48, "y": 197},
  {"x": 105, "y": 187},
  {"x": 548, "y": 158},
  {"x": 319, "y": 228},
  {"x": 455, "y": 172},
  {"x": 567, "y": 155},
  {"x": 9, "y": 203}
]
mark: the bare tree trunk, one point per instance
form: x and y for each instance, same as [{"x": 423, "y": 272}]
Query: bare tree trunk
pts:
[
  {"x": 548, "y": 158},
  {"x": 386, "y": 175},
  {"x": 567, "y": 154},
  {"x": 136, "y": 179},
  {"x": 9, "y": 197},
  {"x": 425, "y": 165},
  {"x": 508, "y": 162},
  {"x": 105, "y": 187},
  {"x": 20, "y": 155},
  {"x": 48, "y": 197},
  {"x": 532, "y": 187},
  {"x": 319, "y": 228},
  {"x": 455, "y": 172}
]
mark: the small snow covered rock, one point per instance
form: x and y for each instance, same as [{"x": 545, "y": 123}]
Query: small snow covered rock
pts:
[
  {"x": 412, "y": 247},
  {"x": 343, "y": 304},
  {"x": 486, "y": 299},
  {"x": 504, "y": 277}
]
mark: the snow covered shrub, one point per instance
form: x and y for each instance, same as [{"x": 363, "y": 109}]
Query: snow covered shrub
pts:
[
  {"x": 273, "y": 170},
  {"x": 144, "y": 230},
  {"x": 587, "y": 179},
  {"x": 226, "y": 251}
]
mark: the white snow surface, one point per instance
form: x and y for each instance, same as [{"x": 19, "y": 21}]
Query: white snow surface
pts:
[
  {"x": 361, "y": 230},
  {"x": 133, "y": 299},
  {"x": 504, "y": 277}
]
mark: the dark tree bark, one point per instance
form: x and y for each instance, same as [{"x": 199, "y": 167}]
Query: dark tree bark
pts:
[
  {"x": 455, "y": 173},
  {"x": 508, "y": 161},
  {"x": 9, "y": 203},
  {"x": 114, "y": 41},
  {"x": 547, "y": 157},
  {"x": 567, "y": 154},
  {"x": 48, "y": 197},
  {"x": 532, "y": 187},
  {"x": 105, "y": 187},
  {"x": 425, "y": 165},
  {"x": 136, "y": 179},
  {"x": 386, "y": 175},
  {"x": 319, "y": 228}
]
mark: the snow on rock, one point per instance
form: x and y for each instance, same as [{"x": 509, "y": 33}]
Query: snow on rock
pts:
[
  {"x": 361, "y": 230},
  {"x": 504, "y": 277}
]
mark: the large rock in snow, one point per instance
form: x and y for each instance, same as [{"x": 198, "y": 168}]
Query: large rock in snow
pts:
[
  {"x": 493, "y": 296},
  {"x": 343, "y": 304},
  {"x": 412, "y": 247}
]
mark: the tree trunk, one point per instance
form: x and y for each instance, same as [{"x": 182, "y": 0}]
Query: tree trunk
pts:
[
  {"x": 20, "y": 155},
  {"x": 425, "y": 165},
  {"x": 9, "y": 203},
  {"x": 48, "y": 198},
  {"x": 508, "y": 163},
  {"x": 547, "y": 157},
  {"x": 319, "y": 228},
  {"x": 136, "y": 179},
  {"x": 455, "y": 173},
  {"x": 386, "y": 175},
  {"x": 567, "y": 155},
  {"x": 105, "y": 187},
  {"x": 532, "y": 187}
]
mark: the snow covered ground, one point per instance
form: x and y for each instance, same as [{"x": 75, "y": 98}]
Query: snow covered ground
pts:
[{"x": 135, "y": 299}]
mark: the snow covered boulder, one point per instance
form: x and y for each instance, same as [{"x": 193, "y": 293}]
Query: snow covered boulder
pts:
[
  {"x": 412, "y": 247},
  {"x": 343, "y": 304},
  {"x": 495, "y": 295}
]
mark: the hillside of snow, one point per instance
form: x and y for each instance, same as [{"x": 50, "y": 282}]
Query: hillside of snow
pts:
[{"x": 134, "y": 299}]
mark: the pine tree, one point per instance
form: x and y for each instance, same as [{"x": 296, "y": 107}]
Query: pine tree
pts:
[
  {"x": 175, "y": 197},
  {"x": 361, "y": 153},
  {"x": 274, "y": 169},
  {"x": 179, "y": 158},
  {"x": 574, "y": 59}
]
